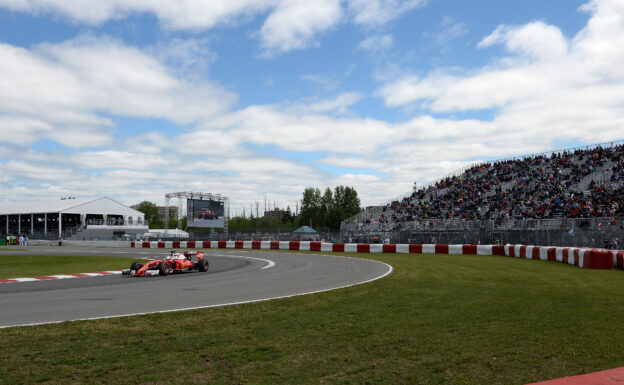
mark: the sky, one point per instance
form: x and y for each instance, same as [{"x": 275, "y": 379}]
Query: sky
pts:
[{"x": 255, "y": 99}]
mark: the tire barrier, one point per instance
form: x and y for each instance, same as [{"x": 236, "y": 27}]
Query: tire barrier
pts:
[{"x": 581, "y": 257}]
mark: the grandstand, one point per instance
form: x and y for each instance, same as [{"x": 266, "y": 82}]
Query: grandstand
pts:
[{"x": 567, "y": 197}]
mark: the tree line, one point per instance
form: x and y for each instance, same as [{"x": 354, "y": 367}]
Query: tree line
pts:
[{"x": 327, "y": 210}]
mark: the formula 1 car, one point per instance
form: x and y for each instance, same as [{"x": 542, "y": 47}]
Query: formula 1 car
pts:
[
  {"x": 189, "y": 261},
  {"x": 207, "y": 214}
]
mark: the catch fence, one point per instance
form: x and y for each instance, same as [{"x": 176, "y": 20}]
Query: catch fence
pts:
[{"x": 579, "y": 232}]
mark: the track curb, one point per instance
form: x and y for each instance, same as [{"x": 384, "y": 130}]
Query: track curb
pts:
[{"x": 60, "y": 276}]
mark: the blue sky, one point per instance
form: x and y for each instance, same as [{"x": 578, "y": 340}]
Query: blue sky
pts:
[{"x": 256, "y": 98}]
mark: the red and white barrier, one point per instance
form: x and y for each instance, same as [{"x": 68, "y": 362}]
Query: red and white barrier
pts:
[
  {"x": 618, "y": 258},
  {"x": 582, "y": 257}
]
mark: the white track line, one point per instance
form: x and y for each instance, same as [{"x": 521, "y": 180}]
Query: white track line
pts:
[
  {"x": 390, "y": 270},
  {"x": 269, "y": 263}
]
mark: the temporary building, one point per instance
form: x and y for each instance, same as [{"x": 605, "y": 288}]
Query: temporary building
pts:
[{"x": 62, "y": 216}]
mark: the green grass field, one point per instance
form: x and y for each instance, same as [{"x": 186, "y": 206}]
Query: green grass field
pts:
[
  {"x": 436, "y": 320},
  {"x": 20, "y": 265}
]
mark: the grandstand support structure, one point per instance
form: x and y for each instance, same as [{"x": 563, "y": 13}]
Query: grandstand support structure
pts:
[{"x": 185, "y": 195}]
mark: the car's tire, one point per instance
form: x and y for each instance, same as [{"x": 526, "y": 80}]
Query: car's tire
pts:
[
  {"x": 202, "y": 265},
  {"x": 164, "y": 269},
  {"x": 136, "y": 266}
]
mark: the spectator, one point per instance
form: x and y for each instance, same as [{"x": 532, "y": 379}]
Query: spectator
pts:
[{"x": 563, "y": 185}]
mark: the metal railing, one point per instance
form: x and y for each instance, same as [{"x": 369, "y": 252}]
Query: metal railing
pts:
[{"x": 605, "y": 232}]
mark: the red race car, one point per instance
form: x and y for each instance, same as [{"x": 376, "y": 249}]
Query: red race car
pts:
[
  {"x": 207, "y": 214},
  {"x": 175, "y": 262}
]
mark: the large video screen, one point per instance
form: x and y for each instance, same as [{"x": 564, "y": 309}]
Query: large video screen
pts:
[{"x": 203, "y": 213}]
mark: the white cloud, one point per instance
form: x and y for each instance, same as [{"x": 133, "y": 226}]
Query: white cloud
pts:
[
  {"x": 451, "y": 30},
  {"x": 308, "y": 132},
  {"x": 548, "y": 87},
  {"x": 152, "y": 142},
  {"x": 600, "y": 45},
  {"x": 325, "y": 81},
  {"x": 375, "y": 13},
  {"x": 185, "y": 56},
  {"x": 535, "y": 40},
  {"x": 375, "y": 44},
  {"x": 255, "y": 166},
  {"x": 23, "y": 131},
  {"x": 337, "y": 105},
  {"x": 295, "y": 23},
  {"x": 184, "y": 14},
  {"x": 290, "y": 24},
  {"x": 211, "y": 143},
  {"x": 539, "y": 50},
  {"x": 37, "y": 172},
  {"x": 355, "y": 162},
  {"x": 68, "y": 86},
  {"x": 94, "y": 160}
]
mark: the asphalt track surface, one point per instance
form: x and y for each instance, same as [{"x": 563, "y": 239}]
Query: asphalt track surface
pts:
[{"x": 234, "y": 277}]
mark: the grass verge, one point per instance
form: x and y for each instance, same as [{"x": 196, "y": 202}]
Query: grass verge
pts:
[
  {"x": 16, "y": 266},
  {"x": 436, "y": 320}
]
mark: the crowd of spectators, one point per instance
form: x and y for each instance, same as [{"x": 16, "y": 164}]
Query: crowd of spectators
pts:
[{"x": 584, "y": 183}]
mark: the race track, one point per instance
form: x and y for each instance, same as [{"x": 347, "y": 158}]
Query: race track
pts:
[{"x": 234, "y": 277}]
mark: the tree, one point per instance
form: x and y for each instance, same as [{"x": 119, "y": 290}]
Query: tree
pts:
[
  {"x": 184, "y": 223},
  {"x": 327, "y": 202},
  {"x": 310, "y": 206},
  {"x": 151, "y": 214},
  {"x": 335, "y": 216},
  {"x": 287, "y": 216},
  {"x": 330, "y": 209},
  {"x": 351, "y": 202}
]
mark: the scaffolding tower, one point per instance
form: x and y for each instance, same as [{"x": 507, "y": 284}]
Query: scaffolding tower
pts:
[{"x": 184, "y": 196}]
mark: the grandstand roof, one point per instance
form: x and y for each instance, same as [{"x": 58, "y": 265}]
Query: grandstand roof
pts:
[{"x": 102, "y": 205}]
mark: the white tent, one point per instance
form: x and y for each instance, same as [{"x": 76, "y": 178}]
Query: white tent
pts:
[{"x": 23, "y": 217}]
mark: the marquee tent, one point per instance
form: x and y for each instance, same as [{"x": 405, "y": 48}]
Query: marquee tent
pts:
[{"x": 44, "y": 217}]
